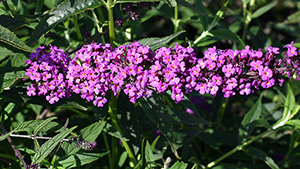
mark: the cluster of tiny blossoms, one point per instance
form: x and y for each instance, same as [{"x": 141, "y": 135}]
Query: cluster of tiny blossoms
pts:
[
  {"x": 136, "y": 70},
  {"x": 48, "y": 71}
]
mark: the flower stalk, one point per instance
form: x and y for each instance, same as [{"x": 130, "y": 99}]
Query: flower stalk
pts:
[
  {"x": 111, "y": 27},
  {"x": 113, "y": 113},
  {"x": 239, "y": 147}
]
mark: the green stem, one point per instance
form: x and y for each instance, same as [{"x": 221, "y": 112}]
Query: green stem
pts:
[
  {"x": 74, "y": 17},
  {"x": 102, "y": 20},
  {"x": 203, "y": 35},
  {"x": 111, "y": 23},
  {"x": 113, "y": 112},
  {"x": 176, "y": 19},
  {"x": 239, "y": 147},
  {"x": 107, "y": 147}
]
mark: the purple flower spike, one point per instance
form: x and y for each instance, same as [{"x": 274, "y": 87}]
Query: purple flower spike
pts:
[{"x": 137, "y": 71}]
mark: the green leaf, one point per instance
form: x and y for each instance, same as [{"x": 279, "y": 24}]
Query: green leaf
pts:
[
  {"x": 179, "y": 165},
  {"x": 203, "y": 14},
  {"x": 154, "y": 143},
  {"x": 77, "y": 160},
  {"x": 294, "y": 122},
  {"x": 49, "y": 145},
  {"x": 89, "y": 133},
  {"x": 9, "y": 76},
  {"x": 218, "y": 16},
  {"x": 31, "y": 125},
  {"x": 295, "y": 111},
  {"x": 263, "y": 10},
  {"x": 136, "y": 1},
  {"x": 43, "y": 124},
  {"x": 109, "y": 129},
  {"x": 257, "y": 153},
  {"x": 293, "y": 18},
  {"x": 200, "y": 9},
  {"x": 155, "y": 43},
  {"x": 223, "y": 33},
  {"x": 36, "y": 145},
  {"x": 122, "y": 159},
  {"x": 60, "y": 13},
  {"x": 259, "y": 123},
  {"x": 8, "y": 37},
  {"x": 16, "y": 22},
  {"x": 12, "y": 109},
  {"x": 3, "y": 137},
  {"x": 148, "y": 153},
  {"x": 4, "y": 53},
  {"x": 289, "y": 106},
  {"x": 171, "y": 3},
  {"x": 156, "y": 111},
  {"x": 252, "y": 115}
]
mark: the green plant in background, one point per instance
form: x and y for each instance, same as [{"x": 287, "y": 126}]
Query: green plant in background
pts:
[{"x": 162, "y": 130}]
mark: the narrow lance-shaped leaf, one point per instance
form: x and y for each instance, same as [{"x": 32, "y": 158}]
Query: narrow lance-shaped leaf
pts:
[
  {"x": 263, "y": 10},
  {"x": 6, "y": 36},
  {"x": 219, "y": 15},
  {"x": 31, "y": 125},
  {"x": 3, "y": 137},
  {"x": 43, "y": 124},
  {"x": 49, "y": 145},
  {"x": 63, "y": 11}
]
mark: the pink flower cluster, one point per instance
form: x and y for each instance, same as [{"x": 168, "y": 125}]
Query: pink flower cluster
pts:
[
  {"x": 137, "y": 71},
  {"x": 48, "y": 70}
]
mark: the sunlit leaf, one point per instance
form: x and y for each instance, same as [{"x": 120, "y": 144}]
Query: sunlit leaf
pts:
[
  {"x": 49, "y": 145},
  {"x": 179, "y": 165},
  {"x": 31, "y": 125},
  {"x": 43, "y": 124},
  {"x": 294, "y": 122},
  {"x": 3, "y": 137},
  {"x": 8, "y": 37},
  {"x": 60, "y": 13}
]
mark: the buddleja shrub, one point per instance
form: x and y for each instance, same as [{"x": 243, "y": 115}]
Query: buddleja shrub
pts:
[{"x": 92, "y": 88}]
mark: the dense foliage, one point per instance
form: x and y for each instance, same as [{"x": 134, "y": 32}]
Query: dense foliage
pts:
[{"x": 149, "y": 84}]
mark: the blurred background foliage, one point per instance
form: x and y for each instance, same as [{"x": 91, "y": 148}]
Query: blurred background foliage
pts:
[{"x": 257, "y": 23}]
